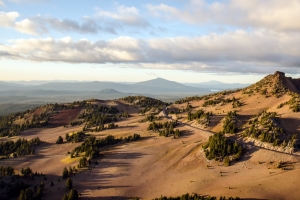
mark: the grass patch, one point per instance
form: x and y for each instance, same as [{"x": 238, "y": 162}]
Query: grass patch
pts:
[{"x": 69, "y": 160}]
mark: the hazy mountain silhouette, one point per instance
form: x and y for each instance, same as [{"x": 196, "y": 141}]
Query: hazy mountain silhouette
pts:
[
  {"x": 217, "y": 85},
  {"x": 158, "y": 85},
  {"x": 10, "y": 86}
]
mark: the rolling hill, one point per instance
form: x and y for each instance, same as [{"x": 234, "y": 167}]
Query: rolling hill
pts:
[{"x": 242, "y": 142}]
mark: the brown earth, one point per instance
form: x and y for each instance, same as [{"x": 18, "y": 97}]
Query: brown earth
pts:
[
  {"x": 155, "y": 166},
  {"x": 64, "y": 117}
]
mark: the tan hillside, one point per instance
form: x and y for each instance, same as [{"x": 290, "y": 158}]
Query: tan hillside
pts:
[{"x": 259, "y": 124}]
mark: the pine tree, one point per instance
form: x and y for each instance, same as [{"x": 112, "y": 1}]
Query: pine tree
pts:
[
  {"x": 22, "y": 195},
  {"x": 70, "y": 171},
  {"x": 39, "y": 193},
  {"x": 226, "y": 161},
  {"x": 65, "y": 173},
  {"x": 59, "y": 140},
  {"x": 65, "y": 197},
  {"x": 73, "y": 195},
  {"x": 69, "y": 183}
]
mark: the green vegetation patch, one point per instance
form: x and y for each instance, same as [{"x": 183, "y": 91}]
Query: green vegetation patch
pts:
[
  {"x": 201, "y": 117},
  {"x": 294, "y": 102},
  {"x": 266, "y": 127},
  {"x": 91, "y": 145},
  {"x": 14, "y": 185},
  {"x": 229, "y": 123},
  {"x": 219, "y": 147},
  {"x": 21, "y": 147},
  {"x": 146, "y": 103},
  {"x": 165, "y": 129}
]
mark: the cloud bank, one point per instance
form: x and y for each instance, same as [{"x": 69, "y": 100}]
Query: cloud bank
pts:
[
  {"x": 257, "y": 37},
  {"x": 236, "y": 51},
  {"x": 103, "y": 21},
  {"x": 268, "y": 14}
]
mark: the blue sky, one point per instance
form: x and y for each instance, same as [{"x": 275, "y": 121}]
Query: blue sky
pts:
[{"x": 184, "y": 41}]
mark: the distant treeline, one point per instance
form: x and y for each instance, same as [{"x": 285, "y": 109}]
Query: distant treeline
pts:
[
  {"x": 91, "y": 145},
  {"x": 147, "y": 103},
  {"x": 21, "y": 147}
]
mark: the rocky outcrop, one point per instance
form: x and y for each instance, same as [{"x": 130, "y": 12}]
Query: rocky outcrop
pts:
[{"x": 265, "y": 145}]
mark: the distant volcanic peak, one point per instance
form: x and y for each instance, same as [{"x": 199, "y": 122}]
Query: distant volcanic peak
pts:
[{"x": 109, "y": 91}]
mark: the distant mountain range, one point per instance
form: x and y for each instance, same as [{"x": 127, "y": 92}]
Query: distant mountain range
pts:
[
  {"x": 217, "y": 85},
  {"x": 157, "y": 85},
  {"x": 62, "y": 91}
]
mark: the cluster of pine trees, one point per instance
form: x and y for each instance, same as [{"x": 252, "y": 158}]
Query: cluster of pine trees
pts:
[
  {"x": 188, "y": 99},
  {"x": 96, "y": 119},
  {"x": 157, "y": 126},
  {"x": 146, "y": 103},
  {"x": 29, "y": 194},
  {"x": 219, "y": 147},
  {"x": 206, "y": 97},
  {"x": 91, "y": 145},
  {"x": 165, "y": 129},
  {"x": 8, "y": 128},
  {"x": 68, "y": 172},
  {"x": 149, "y": 118},
  {"x": 201, "y": 117},
  {"x": 21, "y": 147},
  {"x": 7, "y": 171},
  {"x": 75, "y": 136},
  {"x": 73, "y": 193},
  {"x": 229, "y": 123},
  {"x": 31, "y": 120},
  {"x": 13, "y": 185},
  {"x": 212, "y": 102},
  {"x": 236, "y": 103},
  {"x": 294, "y": 102},
  {"x": 265, "y": 127},
  {"x": 95, "y": 108},
  {"x": 98, "y": 115}
]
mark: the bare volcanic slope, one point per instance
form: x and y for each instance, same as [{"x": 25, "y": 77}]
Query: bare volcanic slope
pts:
[
  {"x": 233, "y": 143},
  {"x": 265, "y": 111}
]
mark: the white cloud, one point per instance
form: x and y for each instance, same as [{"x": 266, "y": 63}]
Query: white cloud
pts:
[
  {"x": 124, "y": 15},
  {"x": 66, "y": 50},
  {"x": 1, "y": 3},
  {"x": 26, "y": 26},
  {"x": 268, "y": 14},
  {"x": 236, "y": 51},
  {"x": 8, "y": 19},
  {"x": 103, "y": 21}
]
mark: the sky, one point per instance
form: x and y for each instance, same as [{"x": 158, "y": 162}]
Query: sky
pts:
[{"x": 233, "y": 41}]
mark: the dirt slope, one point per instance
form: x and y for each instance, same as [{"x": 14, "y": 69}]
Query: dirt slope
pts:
[{"x": 157, "y": 165}]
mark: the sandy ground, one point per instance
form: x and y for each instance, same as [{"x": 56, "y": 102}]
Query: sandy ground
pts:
[{"x": 156, "y": 166}]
